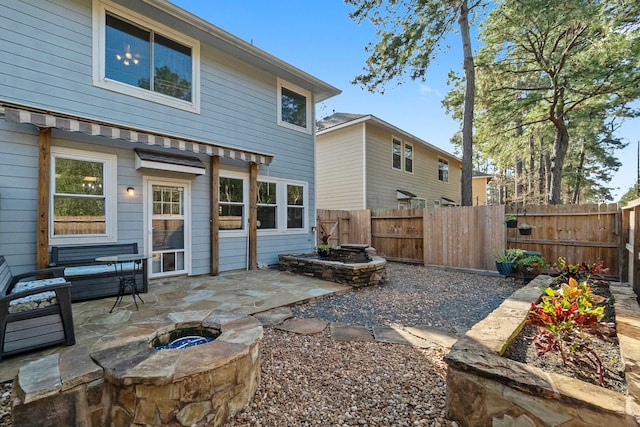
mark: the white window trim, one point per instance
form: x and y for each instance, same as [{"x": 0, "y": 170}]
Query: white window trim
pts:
[
  {"x": 245, "y": 203},
  {"x": 110, "y": 162},
  {"x": 277, "y": 205},
  {"x": 281, "y": 189},
  {"x": 100, "y": 8},
  {"x": 283, "y": 83},
  {"x": 305, "y": 207},
  {"x": 404, "y": 158},
  {"x": 393, "y": 141}
]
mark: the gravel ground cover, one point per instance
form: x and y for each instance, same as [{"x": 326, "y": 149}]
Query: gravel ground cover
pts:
[
  {"x": 416, "y": 295},
  {"x": 317, "y": 381}
]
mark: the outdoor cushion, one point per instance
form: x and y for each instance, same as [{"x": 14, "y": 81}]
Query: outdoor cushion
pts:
[
  {"x": 96, "y": 269},
  {"x": 31, "y": 302}
]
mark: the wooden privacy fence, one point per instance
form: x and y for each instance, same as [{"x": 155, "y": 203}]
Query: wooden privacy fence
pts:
[
  {"x": 470, "y": 237},
  {"x": 398, "y": 234},
  {"x": 631, "y": 250},
  {"x": 345, "y": 226},
  {"x": 588, "y": 233},
  {"x": 462, "y": 237},
  {"x": 65, "y": 225}
]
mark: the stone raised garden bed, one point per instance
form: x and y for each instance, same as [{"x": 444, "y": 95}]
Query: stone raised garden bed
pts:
[
  {"x": 368, "y": 270},
  {"x": 484, "y": 388}
]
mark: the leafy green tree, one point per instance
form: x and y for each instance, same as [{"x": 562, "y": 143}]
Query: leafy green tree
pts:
[
  {"x": 631, "y": 194},
  {"x": 411, "y": 33},
  {"x": 559, "y": 63}
]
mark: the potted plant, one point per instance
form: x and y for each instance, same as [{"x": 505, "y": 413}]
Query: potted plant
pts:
[
  {"x": 506, "y": 259},
  {"x": 511, "y": 220},
  {"x": 530, "y": 265},
  {"x": 323, "y": 251},
  {"x": 524, "y": 229}
]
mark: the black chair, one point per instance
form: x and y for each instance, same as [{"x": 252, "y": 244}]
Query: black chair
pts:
[{"x": 35, "y": 310}]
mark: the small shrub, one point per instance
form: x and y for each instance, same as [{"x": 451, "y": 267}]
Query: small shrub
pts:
[{"x": 581, "y": 272}]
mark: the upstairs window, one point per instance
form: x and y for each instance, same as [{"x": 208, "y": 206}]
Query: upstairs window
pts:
[
  {"x": 397, "y": 154},
  {"x": 443, "y": 170},
  {"x": 408, "y": 157},
  {"x": 294, "y": 107},
  {"x": 141, "y": 58}
]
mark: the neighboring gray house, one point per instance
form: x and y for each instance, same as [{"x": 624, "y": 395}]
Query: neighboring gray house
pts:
[
  {"x": 136, "y": 121},
  {"x": 363, "y": 162}
]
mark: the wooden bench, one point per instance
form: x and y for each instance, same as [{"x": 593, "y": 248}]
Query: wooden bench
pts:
[
  {"x": 91, "y": 279},
  {"x": 34, "y": 313}
]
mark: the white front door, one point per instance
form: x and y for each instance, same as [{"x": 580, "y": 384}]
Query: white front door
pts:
[{"x": 169, "y": 225}]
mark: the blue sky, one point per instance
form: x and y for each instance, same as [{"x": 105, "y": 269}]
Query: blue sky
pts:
[{"x": 319, "y": 38}]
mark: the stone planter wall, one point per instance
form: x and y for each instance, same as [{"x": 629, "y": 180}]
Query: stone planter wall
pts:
[
  {"x": 484, "y": 388},
  {"x": 357, "y": 275}
]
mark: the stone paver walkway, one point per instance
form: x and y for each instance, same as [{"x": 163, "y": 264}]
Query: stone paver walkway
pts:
[{"x": 418, "y": 336}]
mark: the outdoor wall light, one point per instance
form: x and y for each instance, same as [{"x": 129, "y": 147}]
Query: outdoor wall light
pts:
[{"x": 131, "y": 191}]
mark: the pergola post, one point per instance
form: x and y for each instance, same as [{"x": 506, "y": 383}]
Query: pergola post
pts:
[
  {"x": 215, "y": 215},
  {"x": 253, "y": 216},
  {"x": 44, "y": 189}
]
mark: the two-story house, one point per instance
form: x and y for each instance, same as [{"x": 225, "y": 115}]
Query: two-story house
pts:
[
  {"x": 363, "y": 162},
  {"x": 137, "y": 121}
]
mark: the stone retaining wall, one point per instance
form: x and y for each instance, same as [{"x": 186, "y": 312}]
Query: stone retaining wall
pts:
[{"x": 484, "y": 388}]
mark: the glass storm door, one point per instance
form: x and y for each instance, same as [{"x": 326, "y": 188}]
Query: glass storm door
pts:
[{"x": 168, "y": 225}]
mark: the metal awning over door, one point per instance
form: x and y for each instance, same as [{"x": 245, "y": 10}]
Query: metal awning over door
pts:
[{"x": 45, "y": 119}]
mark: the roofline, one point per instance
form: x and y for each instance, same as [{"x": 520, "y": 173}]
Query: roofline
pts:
[
  {"x": 395, "y": 129},
  {"x": 322, "y": 90}
]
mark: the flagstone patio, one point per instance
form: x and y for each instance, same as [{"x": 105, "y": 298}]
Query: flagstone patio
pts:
[{"x": 246, "y": 292}]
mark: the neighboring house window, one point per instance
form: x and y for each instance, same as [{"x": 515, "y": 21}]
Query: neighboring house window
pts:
[
  {"x": 232, "y": 212},
  {"x": 295, "y": 206},
  {"x": 443, "y": 170},
  {"x": 294, "y": 107},
  {"x": 144, "y": 59},
  {"x": 83, "y": 197},
  {"x": 397, "y": 154},
  {"x": 408, "y": 157},
  {"x": 267, "y": 205}
]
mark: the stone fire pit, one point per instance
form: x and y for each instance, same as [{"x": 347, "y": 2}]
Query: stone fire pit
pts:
[{"x": 127, "y": 381}]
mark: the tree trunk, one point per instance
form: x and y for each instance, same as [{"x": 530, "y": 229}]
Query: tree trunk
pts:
[
  {"x": 467, "y": 120},
  {"x": 532, "y": 169},
  {"x": 560, "y": 147},
  {"x": 576, "y": 191}
]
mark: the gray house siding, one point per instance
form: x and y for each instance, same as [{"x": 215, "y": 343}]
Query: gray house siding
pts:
[
  {"x": 45, "y": 62},
  {"x": 18, "y": 193}
]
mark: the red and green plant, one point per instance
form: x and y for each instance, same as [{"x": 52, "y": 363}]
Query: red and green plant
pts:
[
  {"x": 581, "y": 272},
  {"x": 568, "y": 319}
]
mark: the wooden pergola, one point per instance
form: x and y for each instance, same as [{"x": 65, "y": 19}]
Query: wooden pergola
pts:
[{"x": 47, "y": 120}]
